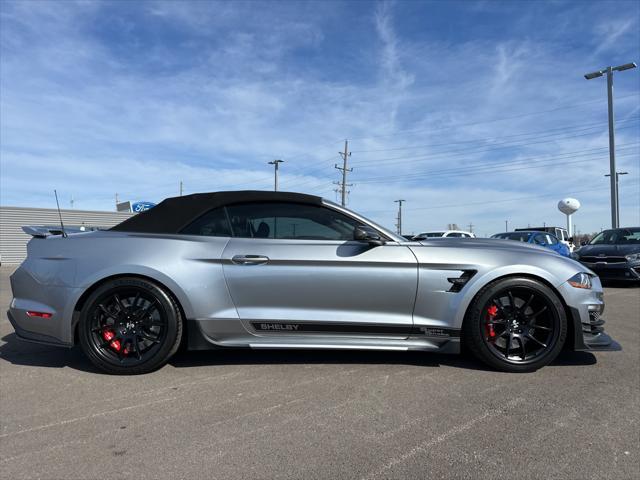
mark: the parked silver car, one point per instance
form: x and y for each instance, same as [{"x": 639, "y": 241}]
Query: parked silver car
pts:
[{"x": 286, "y": 270}]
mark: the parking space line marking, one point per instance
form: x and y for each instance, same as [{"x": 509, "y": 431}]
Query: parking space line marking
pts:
[
  {"x": 86, "y": 417},
  {"x": 422, "y": 447}
]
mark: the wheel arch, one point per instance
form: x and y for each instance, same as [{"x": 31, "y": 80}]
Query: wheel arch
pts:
[
  {"x": 81, "y": 301},
  {"x": 569, "y": 342}
]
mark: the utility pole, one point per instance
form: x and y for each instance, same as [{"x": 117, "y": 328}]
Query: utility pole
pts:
[
  {"x": 180, "y": 187},
  {"x": 399, "y": 224},
  {"x": 275, "y": 164},
  {"x": 506, "y": 225},
  {"x": 617, "y": 194},
  {"x": 117, "y": 202},
  {"x": 71, "y": 201},
  {"x": 612, "y": 144},
  {"x": 470, "y": 227},
  {"x": 343, "y": 185}
]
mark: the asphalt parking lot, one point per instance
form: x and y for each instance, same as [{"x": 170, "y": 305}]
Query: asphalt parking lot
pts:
[{"x": 260, "y": 414}]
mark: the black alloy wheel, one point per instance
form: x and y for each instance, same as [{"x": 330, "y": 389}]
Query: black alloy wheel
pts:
[
  {"x": 129, "y": 326},
  {"x": 516, "y": 325}
]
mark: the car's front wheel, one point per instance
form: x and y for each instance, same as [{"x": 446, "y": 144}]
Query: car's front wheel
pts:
[
  {"x": 129, "y": 326},
  {"x": 515, "y": 325}
]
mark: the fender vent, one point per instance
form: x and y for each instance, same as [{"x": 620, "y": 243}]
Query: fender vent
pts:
[{"x": 457, "y": 283}]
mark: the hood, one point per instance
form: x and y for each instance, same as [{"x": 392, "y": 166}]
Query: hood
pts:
[
  {"x": 486, "y": 243},
  {"x": 607, "y": 250}
]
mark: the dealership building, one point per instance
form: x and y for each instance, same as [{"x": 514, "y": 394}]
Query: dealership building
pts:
[{"x": 13, "y": 241}]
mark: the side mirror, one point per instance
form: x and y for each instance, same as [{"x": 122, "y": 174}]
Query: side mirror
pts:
[
  {"x": 364, "y": 233},
  {"x": 570, "y": 240}
]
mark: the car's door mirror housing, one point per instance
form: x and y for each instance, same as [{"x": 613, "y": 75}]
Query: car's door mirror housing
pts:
[{"x": 364, "y": 233}]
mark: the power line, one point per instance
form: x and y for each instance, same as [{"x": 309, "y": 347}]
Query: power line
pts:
[
  {"x": 489, "y": 139},
  {"x": 482, "y": 149},
  {"x": 539, "y": 112},
  {"x": 433, "y": 207},
  {"x": 495, "y": 167}
]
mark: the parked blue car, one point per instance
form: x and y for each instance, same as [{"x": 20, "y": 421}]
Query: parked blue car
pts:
[{"x": 543, "y": 239}]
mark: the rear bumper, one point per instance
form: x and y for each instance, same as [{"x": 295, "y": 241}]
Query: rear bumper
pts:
[
  {"x": 29, "y": 336},
  {"x": 30, "y": 294}
]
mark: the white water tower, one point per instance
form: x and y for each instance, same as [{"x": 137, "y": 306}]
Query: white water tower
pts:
[{"x": 569, "y": 206}]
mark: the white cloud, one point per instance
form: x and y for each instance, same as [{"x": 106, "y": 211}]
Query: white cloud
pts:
[{"x": 235, "y": 88}]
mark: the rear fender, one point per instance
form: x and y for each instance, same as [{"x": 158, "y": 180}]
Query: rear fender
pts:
[{"x": 131, "y": 270}]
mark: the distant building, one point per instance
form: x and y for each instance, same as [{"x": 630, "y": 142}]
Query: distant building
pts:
[{"x": 13, "y": 241}]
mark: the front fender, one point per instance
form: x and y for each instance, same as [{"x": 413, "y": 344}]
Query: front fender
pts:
[{"x": 481, "y": 280}]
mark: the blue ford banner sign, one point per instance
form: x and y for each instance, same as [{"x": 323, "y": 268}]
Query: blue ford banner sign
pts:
[{"x": 142, "y": 206}]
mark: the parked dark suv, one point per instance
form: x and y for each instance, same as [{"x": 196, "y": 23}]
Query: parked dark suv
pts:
[{"x": 613, "y": 254}]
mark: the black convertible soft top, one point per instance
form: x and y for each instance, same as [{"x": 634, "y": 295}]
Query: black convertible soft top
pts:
[{"x": 173, "y": 214}]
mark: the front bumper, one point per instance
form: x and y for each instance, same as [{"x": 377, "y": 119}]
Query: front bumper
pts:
[
  {"x": 589, "y": 332},
  {"x": 585, "y": 314},
  {"x": 616, "y": 271}
]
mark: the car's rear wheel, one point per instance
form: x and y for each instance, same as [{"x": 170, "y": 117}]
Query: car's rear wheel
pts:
[
  {"x": 515, "y": 325},
  {"x": 130, "y": 326}
]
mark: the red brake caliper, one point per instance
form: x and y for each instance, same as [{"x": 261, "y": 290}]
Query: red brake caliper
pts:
[
  {"x": 108, "y": 336},
  {"x": 492, "y": 311}
]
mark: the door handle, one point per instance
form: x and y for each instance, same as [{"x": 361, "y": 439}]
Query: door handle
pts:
[{"x": 249, "y": 259}]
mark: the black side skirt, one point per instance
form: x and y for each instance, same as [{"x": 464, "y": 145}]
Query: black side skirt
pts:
[{"x": 359, "y": 328}]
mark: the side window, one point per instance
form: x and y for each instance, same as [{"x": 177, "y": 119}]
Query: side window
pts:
[
  {"x": 454, "y": 234},
  {"x": 552, "y": 240},
  {"x": 289, "y": 221},
  {"x": 211, "y": 224}
]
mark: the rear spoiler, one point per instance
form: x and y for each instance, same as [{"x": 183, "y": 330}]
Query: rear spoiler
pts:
[{"x": 41, "y": 232}]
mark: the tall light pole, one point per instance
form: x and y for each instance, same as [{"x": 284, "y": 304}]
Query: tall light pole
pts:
[
  {"x": 617, "y": 194},
  {"x": 275, "y": 164},
  {"x": 399, "y": 224},
  {"x": 612, "y": 144}
]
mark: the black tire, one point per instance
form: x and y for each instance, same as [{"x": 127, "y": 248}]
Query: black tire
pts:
[
  {"x": 510, "y": 314},
  {"x": 130, "y": 326}
]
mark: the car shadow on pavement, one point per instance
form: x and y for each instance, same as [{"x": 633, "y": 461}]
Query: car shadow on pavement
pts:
[
  {"x": 18, "y": 352},
  {"x": 305, "y": 357}
]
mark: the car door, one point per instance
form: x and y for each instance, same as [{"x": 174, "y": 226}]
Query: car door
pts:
[{"x": 295, "y": 268}]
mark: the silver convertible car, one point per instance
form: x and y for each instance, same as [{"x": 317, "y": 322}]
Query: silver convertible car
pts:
[{"x": 287, "y": 270}]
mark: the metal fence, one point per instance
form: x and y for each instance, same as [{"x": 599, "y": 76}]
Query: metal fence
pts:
[{"x": 13, "y": 241}]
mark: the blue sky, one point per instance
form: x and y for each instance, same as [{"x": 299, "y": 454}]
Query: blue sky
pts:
[{"x": 470, "y": 111}]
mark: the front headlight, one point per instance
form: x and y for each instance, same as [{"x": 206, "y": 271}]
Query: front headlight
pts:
[
  {"x": 581, "y": 280},
  {"x": 633, "y": 257}
]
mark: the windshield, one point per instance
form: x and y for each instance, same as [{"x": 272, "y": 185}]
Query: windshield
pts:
[
  {"x": 394, "y": 236},
  {"x": 619, "y": 236},
  {"x": 430, "y": 234},
  {"x": 520, "y": 236}
]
